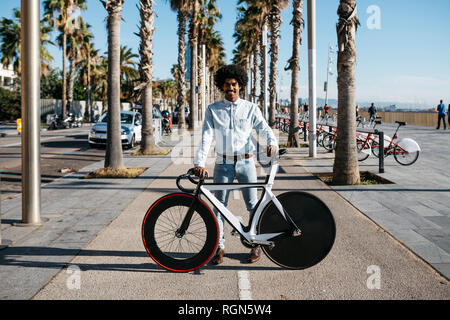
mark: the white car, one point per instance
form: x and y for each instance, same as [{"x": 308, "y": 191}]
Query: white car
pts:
[{"x": 131, "y": 126}]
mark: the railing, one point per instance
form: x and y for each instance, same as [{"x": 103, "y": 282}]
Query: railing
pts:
[{"x": 424, "y": 119}]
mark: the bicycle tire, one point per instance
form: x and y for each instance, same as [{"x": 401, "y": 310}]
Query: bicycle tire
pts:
[
  {"x": 405, "y": 159},
  {"x": 318, "y": 230},
  {"x": 375, "y": 149},
  {"x": 362, "y": 155},
  {"x": 174, "y": 253},
  {"x": 328, "y": 142}
]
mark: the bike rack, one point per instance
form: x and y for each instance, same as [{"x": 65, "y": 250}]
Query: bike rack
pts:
[
  {"x": 381, "y": 139},
  {"x": 372, "y": 131}
]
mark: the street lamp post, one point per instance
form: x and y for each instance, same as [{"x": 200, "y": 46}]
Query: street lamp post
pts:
[
  {"x": 312, "y": 76},
  {"x": 265, "y": 49},
  {"x": 330, "y": 61},
  {"x": 31, "y": 169}
]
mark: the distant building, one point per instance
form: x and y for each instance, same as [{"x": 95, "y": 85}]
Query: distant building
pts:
[
  {"x": 7, "y": 77},
  {"x": 392, "y": 108}
]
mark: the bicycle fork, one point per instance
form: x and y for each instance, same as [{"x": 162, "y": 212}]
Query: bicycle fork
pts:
[{"x": 181, "y": 231}]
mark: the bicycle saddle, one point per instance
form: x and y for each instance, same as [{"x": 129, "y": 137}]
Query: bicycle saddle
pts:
[{"x": 402, "y": 123}]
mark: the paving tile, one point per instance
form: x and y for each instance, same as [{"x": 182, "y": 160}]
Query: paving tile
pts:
[
  {"x": 439, "y": 237},
  {"x": 443, "y": 268},
  {"x": 424, "y": 211},
  {"x": 443, "y": 221},
  {"x": 429, "y": 252}
]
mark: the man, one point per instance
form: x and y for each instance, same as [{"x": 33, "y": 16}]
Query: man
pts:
[
  {"x": 372, "y": 112},
  {"x": 441, "y": 115},
  {"x": 230, "y": 123}
]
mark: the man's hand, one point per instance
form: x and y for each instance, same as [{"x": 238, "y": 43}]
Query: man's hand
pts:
[
  {"x": 271, "y": 151},
  {"x": 201, "y": 172}
]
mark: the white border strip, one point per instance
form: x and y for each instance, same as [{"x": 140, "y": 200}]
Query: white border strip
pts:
[{"x": 244, "y": 286}]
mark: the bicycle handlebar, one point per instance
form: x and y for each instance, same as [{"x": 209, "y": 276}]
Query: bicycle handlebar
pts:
[{"x": 190, "y": 173}]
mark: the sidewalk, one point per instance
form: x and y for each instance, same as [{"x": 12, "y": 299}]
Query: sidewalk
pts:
[
  {"x": 415, "y": 209},
  {"x": 77, "y": 210},
  {"x": 96, "y": 228}
]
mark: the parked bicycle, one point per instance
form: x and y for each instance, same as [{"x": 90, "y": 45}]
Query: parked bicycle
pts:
[
  {"x": 295, "y": 229},
  {"x": 405, "y": 151}
]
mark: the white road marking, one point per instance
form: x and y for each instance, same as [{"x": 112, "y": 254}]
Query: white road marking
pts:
[{"x": 244, "y": 286}]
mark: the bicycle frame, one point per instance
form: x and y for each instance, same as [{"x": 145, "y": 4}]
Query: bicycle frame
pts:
[{"x": 249, "y": 232}]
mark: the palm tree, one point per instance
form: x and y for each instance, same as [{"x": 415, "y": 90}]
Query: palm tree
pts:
[
  {"x": 274, "y": 22},
  {"x": 146, "y": 31},
  {"x": 59, "y": 14},
  {"x": 168, "y": 91},
  {"x": 345, "y": 169},
  {"x": 113, "y": 156},
  {"x": 193, "y": 41},
  {"x": 129, "y": 73},
  {"x": 76, "y": 38},
  {"x": 181, "y": 7},
  {"x": 100, "y": 81},
  {"x": 298, "y": 23},
  {"x": 215, "y": 58},
  {"x": 10, "y": 47},
  {"x": 208, "y": 18},
  {"x": 88, "y": 72},
  {"x": 248, "y": 36}
]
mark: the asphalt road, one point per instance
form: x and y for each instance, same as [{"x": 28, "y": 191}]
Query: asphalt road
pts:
[
  {"x": 365, "y": 262},
  {"x": 60, "y": 149}
]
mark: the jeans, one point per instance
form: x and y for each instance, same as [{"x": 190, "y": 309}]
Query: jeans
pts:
[
  {"x": 441, "y": 116},
  {"x": 245, "y": 172}
]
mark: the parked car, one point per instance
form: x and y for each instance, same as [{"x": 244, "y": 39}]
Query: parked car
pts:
[
  {"x": 156, "y": 113},
  {"x": 177, "y": 111},
  {"x": 131, "y": 126}
]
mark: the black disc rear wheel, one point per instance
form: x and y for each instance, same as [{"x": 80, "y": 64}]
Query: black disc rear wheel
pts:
[{"x": 315, "y": 221}]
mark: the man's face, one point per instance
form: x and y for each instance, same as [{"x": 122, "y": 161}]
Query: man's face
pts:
[{"x": 231, "y": 88}]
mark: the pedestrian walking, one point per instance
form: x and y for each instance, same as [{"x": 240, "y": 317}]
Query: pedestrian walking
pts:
[
  {"x": 230, "y": 123},
  {"x": 372, "y": 112},
  {"x": 440, "y": 109},
  {"x": 357, "y": 111}
]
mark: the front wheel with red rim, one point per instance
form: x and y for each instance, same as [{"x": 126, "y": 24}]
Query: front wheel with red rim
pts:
[{"x": 172, "y": 251}]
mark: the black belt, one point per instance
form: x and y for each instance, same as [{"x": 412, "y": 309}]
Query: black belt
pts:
[{"x": 237, "y": 157}]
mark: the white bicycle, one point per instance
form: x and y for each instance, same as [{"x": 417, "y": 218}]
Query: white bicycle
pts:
[{"x": 295, "y": 229}]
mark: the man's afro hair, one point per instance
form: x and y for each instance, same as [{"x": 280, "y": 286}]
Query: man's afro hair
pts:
[{"x": 232, "y": 71}]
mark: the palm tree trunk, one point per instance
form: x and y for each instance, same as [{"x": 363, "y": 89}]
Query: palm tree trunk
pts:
[
  {"x": 64, "y": 76},
  {"x": 345, "y": 169},
  {"x": 255, "y": 71},
  {"x": 181, "y": 83},
  {"x": 71, "y": 85},
  {"x": 200, "y": 80},
  {"x": 146, "y": 70},
  {"x": 87, "y": 110},
  {"x": 193, "y": 36},
  {"x": 297, "y": 22},
  {"x": 113, "y": 157},
  {"x": 275, "y": 22},
  {"x": 194, "y": 85},
  {"x": 262, "y": 73}
]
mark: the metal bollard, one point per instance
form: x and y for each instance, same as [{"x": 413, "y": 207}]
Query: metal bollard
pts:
[
  {"x": 381, "y": 152},
  {"x": 3, "y": 243}
]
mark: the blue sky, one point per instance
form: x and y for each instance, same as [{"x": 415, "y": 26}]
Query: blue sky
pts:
[{"x": 406, "y": 59}]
